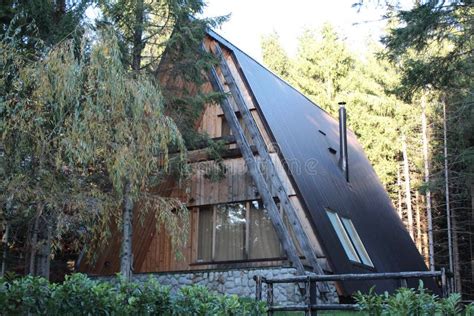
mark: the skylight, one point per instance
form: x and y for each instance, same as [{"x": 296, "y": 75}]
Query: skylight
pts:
[{"x": 349, "y": 238}]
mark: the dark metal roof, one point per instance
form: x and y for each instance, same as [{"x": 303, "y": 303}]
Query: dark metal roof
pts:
[{"x": 294, "y": 122}]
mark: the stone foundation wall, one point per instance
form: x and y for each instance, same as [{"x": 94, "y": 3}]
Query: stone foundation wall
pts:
[{"x": 239, "y": 282}]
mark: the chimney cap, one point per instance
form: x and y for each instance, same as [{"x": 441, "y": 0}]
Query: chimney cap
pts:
[{"x": 342, "y": 104}]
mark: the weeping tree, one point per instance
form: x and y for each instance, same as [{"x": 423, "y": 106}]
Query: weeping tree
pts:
[
  {"x": 120, "y": 130},
  {"x": 84, "y": 139},
  {"x": 162, "y": 39}
]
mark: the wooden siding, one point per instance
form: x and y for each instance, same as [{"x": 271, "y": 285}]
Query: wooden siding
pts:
[{"x": 152, "y": 248}]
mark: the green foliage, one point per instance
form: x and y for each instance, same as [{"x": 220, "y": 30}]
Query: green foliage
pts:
[
  {"x": 275, "y": 56},
  {"x": 197, "y": 300},
  {"x": 165, "y": 38},
  {"x": 26, "y": 295},
  {"x": 217, "y": 170},
  {"x": 406, "y": 301},
  {"x": 35, "y": 180},
  {"x": 54, "y": 20},
  {"x": 120, "y": 131},
  {"x": 322, "y": 63},
  {"x": 79, "y": 295},
  {"x": 469, "y": 310},
  {"x": 434, "y": 43},
  {"x": 370, "y": 302}
]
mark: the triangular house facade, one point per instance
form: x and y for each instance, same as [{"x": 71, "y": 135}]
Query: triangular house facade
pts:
[{"x": 287, "y": 203}]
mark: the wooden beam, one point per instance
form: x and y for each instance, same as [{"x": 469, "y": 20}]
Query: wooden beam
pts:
[
  {"x": 257, "y": 175},
  {"x": 226, "y": 140},
  {"x": 359, "y": 276},
  {"x": 201, "y": 155},
  {"x": 276, "y": 182}
]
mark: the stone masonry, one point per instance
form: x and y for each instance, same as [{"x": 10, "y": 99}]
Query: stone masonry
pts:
[{"x": 239, "y": 282}]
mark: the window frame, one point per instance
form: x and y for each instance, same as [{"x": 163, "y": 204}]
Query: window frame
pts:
[
  {"x": 246, "y": 257},
  {"x": 351, "y": 235}
]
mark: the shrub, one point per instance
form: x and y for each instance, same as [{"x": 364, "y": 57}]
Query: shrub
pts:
[
  {"x": 197, "y": 300},
  {"x": 407, "y": 301},
  {"x": 79, "y": 295},
  {"x": 29, "y": 295}
]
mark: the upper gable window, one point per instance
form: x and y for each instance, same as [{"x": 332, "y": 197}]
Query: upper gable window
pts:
[{"x": 349, "y": 238}]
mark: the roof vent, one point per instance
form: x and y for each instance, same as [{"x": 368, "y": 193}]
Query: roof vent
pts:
[{"x": 343, "y": 159}]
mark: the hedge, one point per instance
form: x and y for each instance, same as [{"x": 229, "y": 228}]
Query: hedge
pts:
[{"x": 79, "y": 295}]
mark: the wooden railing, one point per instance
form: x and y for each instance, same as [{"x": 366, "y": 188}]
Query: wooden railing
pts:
[{"x": 311, "y": 293}]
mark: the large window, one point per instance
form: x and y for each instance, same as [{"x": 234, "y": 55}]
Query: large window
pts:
[
  {"x": 236, "y": 231},
  {"x": 349, "y": 238}
]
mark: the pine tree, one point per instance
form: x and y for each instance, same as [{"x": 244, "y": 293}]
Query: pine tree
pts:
[{"x": 275, "y": 56}]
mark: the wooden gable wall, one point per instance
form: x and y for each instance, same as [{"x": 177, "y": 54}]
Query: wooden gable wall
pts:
[{"x": 152, "y": 248}]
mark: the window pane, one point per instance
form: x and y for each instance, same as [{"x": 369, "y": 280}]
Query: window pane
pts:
[
  {"x": 263, "y": 241},
  {"x": 343, "y": 237},
  {"x": 364, "y": 256},
  {"x": 230, "y": 231},
  {"x": 205, "y": 234}
]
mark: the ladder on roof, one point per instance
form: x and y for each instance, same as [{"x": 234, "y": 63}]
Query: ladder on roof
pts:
[{"x": 263, "y": 171}]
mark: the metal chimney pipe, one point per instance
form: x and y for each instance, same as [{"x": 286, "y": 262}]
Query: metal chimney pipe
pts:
[{"x": 343, "y": 157}]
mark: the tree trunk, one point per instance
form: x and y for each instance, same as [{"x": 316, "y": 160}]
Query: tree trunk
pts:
[
  {"x": 427, "y": 182},
  {"x": 426, "y": 251},
  {"x": 418, "y": 223},
  {"x": 44, "y": 253},
  {"x": 456, "y": 262},
  {"x": 399, "y": 189},
  {"x": 471, "y": 240},
  {"x": 126, "y": 254},
  {"x": 5, "y": 249},
  {"x": 138, "y": 44},
  {"x": 34, "y": 240},
  {"x": 406, "y": 170},
  {"x": 453, "y": 246}
]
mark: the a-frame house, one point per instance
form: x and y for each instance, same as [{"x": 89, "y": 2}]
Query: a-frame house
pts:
[{"x": 299, "y": 195}]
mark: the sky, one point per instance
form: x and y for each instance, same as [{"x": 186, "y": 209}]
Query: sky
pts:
[{"x": 251, "y": 19}]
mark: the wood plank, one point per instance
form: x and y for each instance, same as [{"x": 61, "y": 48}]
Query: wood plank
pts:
[
  {"x": 194, "y": 234},
  {"x": 316, "y": 246},
  {"x": 200, "y": 155},
  {"x": 214, "y": 217}
]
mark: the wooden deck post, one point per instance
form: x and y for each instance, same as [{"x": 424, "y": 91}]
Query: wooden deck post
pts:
[
  {"x": 270, "y": 297},
  {"x": 258, "y": 287}
]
